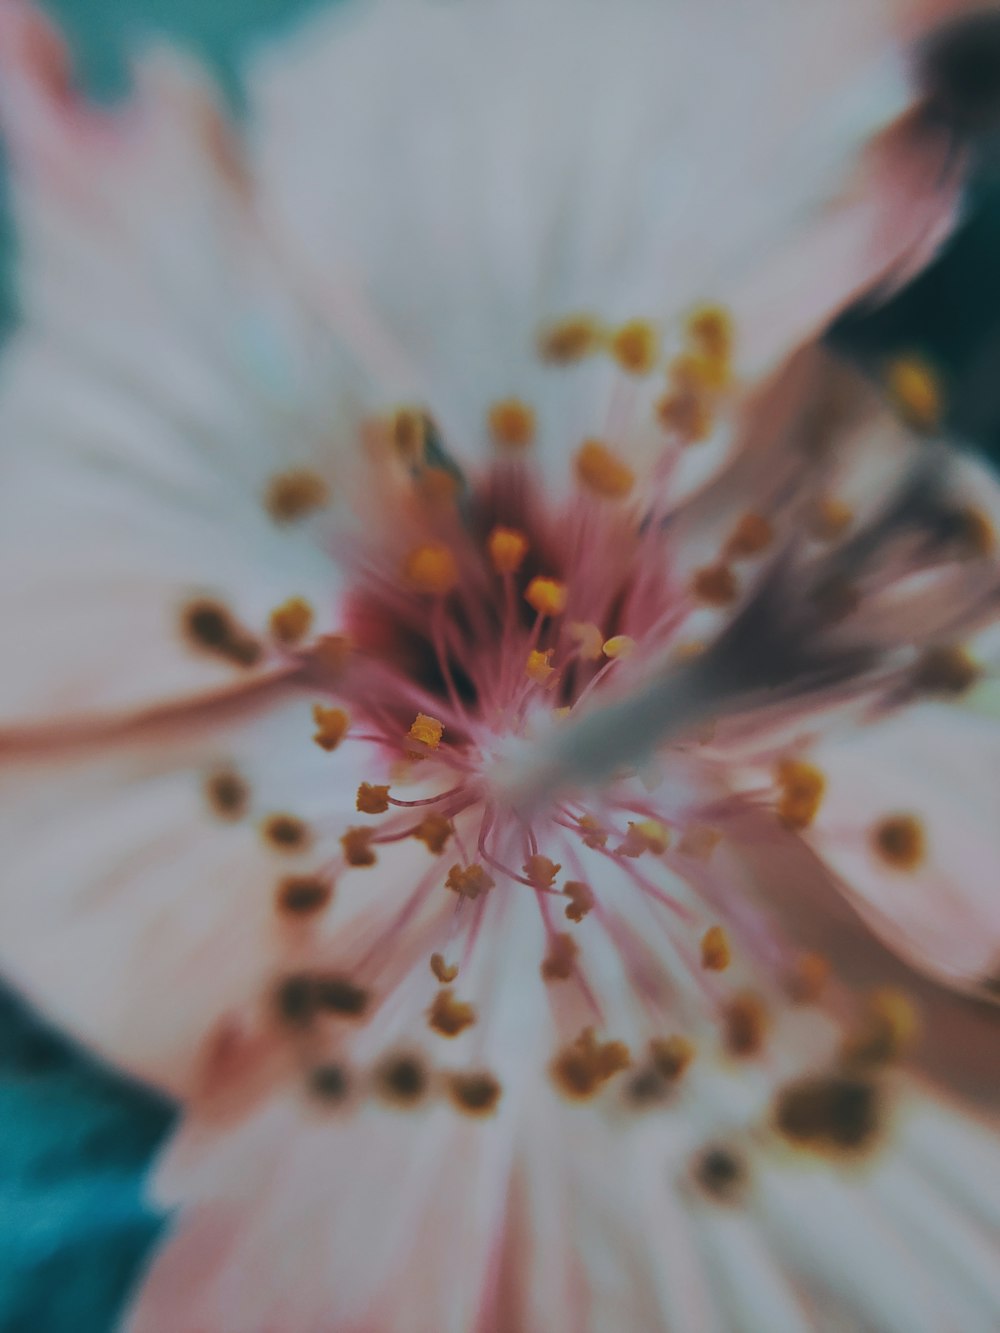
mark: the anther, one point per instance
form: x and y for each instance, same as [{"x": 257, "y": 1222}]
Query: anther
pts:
[
  {"x": 802, "y": 786},
  {"x": 715, "y": 951},
  {"x": 434, "y": 831},
  {"x": 445, "y": 972},
  {"x": 745, "y": 1024},
  {"x": 899, "y": 841},
  {"x": 914, "y": 389},
  {"x": 512, "y": 424},
  {"x": 715, "y": 585},
  {"x": 558, "y": 963},
  {"x": 581, "y": 1068},
  {"x": 581, "y": 899},
  {"x": 295, "y": 494},
  {"x": 539, "y": 668},
  {"x": 357, "y": 845},
  {"x": 644, "y": 835},
  {"x": 541, "y": 871},
  {"x": 331, "y": 726},
  {"x": 449, "y": 1016},
  {"x": 751, "y": 535},
  {"x": 426, "y": 730},
  {"x": 302, "y": 895},
  {"x": 212, "y": 629},
  {"x": 546, "y": 596},
  {"x": 619, "y": 645},
  {"x": 507, "y": 548},
  {"x": 571, "y": 339},
  {"x": 475, "y": 1093},
  {"x": 291, "y": 622},
  {"x": 286, "y": 833},
  {"x": 635, "y": 346},
  {"x": 601, "y": 472},
  {"x": 468, "y": 881},
  {"x": 227, "y": 794},
  {"x": 432, "y": 569},
  {"x": 372, "y": 800}
]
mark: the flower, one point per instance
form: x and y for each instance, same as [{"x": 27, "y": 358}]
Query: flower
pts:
[{"x": 444, "y": 605}]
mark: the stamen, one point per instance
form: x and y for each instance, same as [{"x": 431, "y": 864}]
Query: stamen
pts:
[
  {"x": 601, "y": 472},
  {"x": 507, "y": 548},
  {"x": 286, "y": 833},
  {"x": 426, "y": 730},
  {"x": 432, "y": 569},
  {"x": 409, "y": 430},
  {"x": 450, "y": 1016},
  {"x": 331, "y": 726},
  {"x": 581, "y": 899},
  {"x": 546, "y": 596},
  {"x": 445, "y": 972},
  {"x": 715, "y": 952},
  {"x": 561, "y": 958},
  {"x": 329, "y": 1082},
  {"x": 303, "y": 895},
  {"x": 636, "y": 347},
  {"x": 401, "y": 1080},
  {"x": 745, "y": 1024},
  {"x": 829, "y": 519},
  {"x": 899, "y": 841},
  {"x": 540, "y": 871},
  {"x": 808, "y": 978},
  {"x": 802, "y": 787},
  {"x": 828, "y": 1113},
  {"x": 539, "y": 669},
  {"x": 357, "y": 845},
  {"x": 295, "y": 494},
  {"x": 512, "y": 424},
  {"x": 291, "y": 622},
  {"x": 570, "y": 339},
  {"x": 752, "y": 534},
  {"x": 710, "y": 331},
  {"x": 915, "y": 391},
  {"x": 645, "y": 835},
  {"x": 888, "y": 1030},
  {"x": 580, "y": 1069},
  {"x": 722, "y": 1174},
  {"x": 619, "y": 645},
  {"x": 476, "y": 1093},
  {"x": 671, "y": 1056},
  {"x": 227, "y": 794},
  {"x": 715, "y": 585},
  {"x": 684, "y": 414},
  {"x": 372, "y": 800},
  {"x": 588, "y": 638},
  {"x": 434, "y": 831},
  {"x": 338, "y": 995},
  {"x": 946, "y": 669},
  {"x": 212, "y": 629},
  {"x": 468, "y": 881}
]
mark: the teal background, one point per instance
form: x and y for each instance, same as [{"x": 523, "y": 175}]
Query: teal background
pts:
[{"x": 75, "y": 1139}]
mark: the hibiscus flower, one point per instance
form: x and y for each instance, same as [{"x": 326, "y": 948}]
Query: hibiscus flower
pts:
[{"x": 488, "y": 714}]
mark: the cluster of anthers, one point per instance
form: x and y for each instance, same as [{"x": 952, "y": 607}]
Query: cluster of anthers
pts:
[{"x": 485, "y": 613}]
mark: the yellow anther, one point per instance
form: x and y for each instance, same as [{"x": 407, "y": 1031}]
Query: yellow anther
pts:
[
  {"x": 581, "y": 899},
  {"x": 331, "y": 726},
  {"x": 751, "y": 535},
  {"x": 915, "y": 391},
  {"x": 432, "y": 569},
  {"x": 709, "y": 329},
  {"x": 560, "y": 960},
  {"x": 582, "y": 1067},
  {"x": 295, "y": 494},
  {"x": 426, "y": 730},
  {"x": 945, "y": 669},
  {"x": 693, "y": 372},
  {"x": 468, "y": 881},
  {"x": 507, "y": 548},
  {"x": 409, "y": 433},
  {"x": 434, "y": 831},
  {"x": 357, "y": 845},
  {"x": 973, "y": 531},
  {"x": 588, "y": 639},
  {"x": 546, "y": 596},
  {"x": 644, "y": 835},
  {"x": 802, "y": 787},
  {"x": 888, "y": 1029},
  {"x": 671, "y": 1056},
  {"x": 541, "y": 871},
  {"x": 570, "y": 339},
  {"x": 372, "y": 800},
  {"x": 636, "y": 346},
  {"x": 591, "y": 832},
  {"x": 450, "y": 1016},
  {"x": 445, "y": 972},
  {"x": 600, "y": 471},
  {"x": 619, "y": 645},
  {"x": 715, "y": 952},
  {"x": 512, "y": 424},
  {"x": 715, "y": 585},
  {"x": 685, "y": 414},
  {"x": 900, "y": 842},
  {"x": 291, "y": 621},
  {"x": 538, "y": 667}
]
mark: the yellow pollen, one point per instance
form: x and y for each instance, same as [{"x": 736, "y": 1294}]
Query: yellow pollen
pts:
[
  {"x": 945, "y": 669},
  {"x": 450, "y": 1016},
  {"x": 372, "y": 800},
  {"x": 752, "y": 534},
  {"x": 560, "y": 960},
  {"x": 295, "y": 494},
  {"x": 645, "y": 835},
  {"x": 715, "y": 953},
  {"x": 291, "y": 622},
  {"x": 915, "y": 391},
  {"x": 330, "y": 653},
  {"x": 899, "y": 841},
  {"x": 434, "y": 831},
  {"x": 715, "y": 585},
  {"x": 357, "y": 845},
  {"x": 581, "y": 899},
  {"x": 588, "y": 639},
  {"x": 468, "y": 881},
  {"x": 581, "y": 1068},
  {"x": 888, "y": 1030},
  {"x": 570, "y": 339},
  {"x": 507, "y": 548},
  {"x": 426, "y": 730},
  {"x": 539, "y": 669},
  {"x": 331, "y": 726},
  {"x": 512, "y": 424},
  {"x": 541, "y": 871},
  {"x": 829, "y": 519},
  {"x": 636, "y": 347},
  {"x": 286, "y": 833},
  {"x": 686, "y": 414},
  {"x": 709, "y": 330},
  {"x": 546, "y": 596},
  {"x": 409, "y": 434},
  {"x": 808, "y": 977},
  {"x": 745, "y": 1024},
  {"x": 592, "y": 833},
  {"x": 671, "y": 1056},
  {"x": 432, "y": 569},
  {"x": 619, "y": 645},
  {"x": 802, "y": 787},
  {"x": 600, "y": 471},
  {"x": 445, "y": 972}
]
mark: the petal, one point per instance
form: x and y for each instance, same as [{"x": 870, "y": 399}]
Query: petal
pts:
[
  {"x": 939, "y": 766},
  {"x": 162, "y": 377},
  {"x": 566, "y": 158}
]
